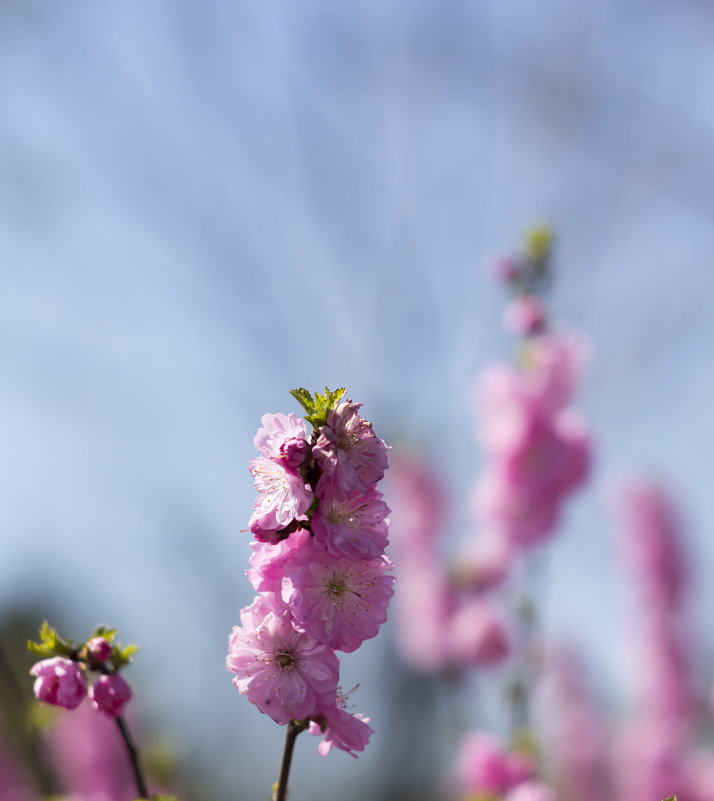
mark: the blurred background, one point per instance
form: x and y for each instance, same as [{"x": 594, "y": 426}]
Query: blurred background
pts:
[{"x": 203, "y": 205}]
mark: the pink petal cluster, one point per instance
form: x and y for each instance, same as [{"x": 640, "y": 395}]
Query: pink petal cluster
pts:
[
  {"x": 351, "y": 456},
  {"x": 537, "y": 447},
  {"x": 283, "y": 494},
  {"x": 445, "y": 622},
  {"x": 341, "y": 729},
  {"x": 654, "y": 745},
  {"x": 319, "y": 567},
  {"x": 60, "y": 682},
  {"x": 485, "y": 768},
  {"x": 109, "y": 694}
]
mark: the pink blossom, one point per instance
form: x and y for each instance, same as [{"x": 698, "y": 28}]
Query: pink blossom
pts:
[
  {"x": 424, "y": 604},
  {"x": 525, "y": 315},
  {"x": 341, "y": 729},
  {"x": 109, "y": 694},
  {"x": 482, "y": 765},
  {"x": 276, "y": 431},
  {"x": 537, "y": 457},
  {"x": 90, "y": 758},
  {"x": 418, "y": 501},
  {"x": 59, "y": 681},
  {"x": 283, "y": 498},
  {"x": 351, "y": 456},
  {"x": 580, "y": 743},
  {"x": 99, "y": 649},
  {"x": 476, "y": 635},
  {"x": 506, "y": 269},
  {"x": 285, "y": 673},
  {"x": 355, "y": 527},
  {"x": 531, "y": 791},
  {"x": 268, "y": 561},
  {"x": 554, "y": 363},
  {"x": 653, "y": 542},
  {"x": 648, "y": 763},
  {"x": 339, "y": 601}
]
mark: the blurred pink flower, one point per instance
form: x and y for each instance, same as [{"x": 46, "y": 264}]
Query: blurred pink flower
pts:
[
  {"x": 87, "y": 751},
  {"x": 482, "y": 765},
  {"x": 476, "y": 635},
  {"x": 525, "y": 315},
  {"x": 59, "y": 681},
  {"x": 531, "y": 791},
  {"x": 110, "y": 694}
]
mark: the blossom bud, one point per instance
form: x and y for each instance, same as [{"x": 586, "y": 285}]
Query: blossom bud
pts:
[
  {"x": 525, "y": 315},
  {"x": 506, "y": 270},
  {"x": 295, "y": 452},
  {"x": 99, "y": 649},
  {"x": 108, "y": 694},
  {"x": 59, "y": 681}
]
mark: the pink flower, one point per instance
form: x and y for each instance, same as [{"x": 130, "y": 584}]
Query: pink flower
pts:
[
  {"x": 554, "y": 363},
  {"x": 423, "y": 607},
  {"x": 276, "y": 431},
  {"x": 345, "y": 731},
  {"x": 99, "y": 649},
  {"x": 285, "y": 673},
  {"x": 340, "y": 602},
  {"x": 89, "y": 756},
  {"x": 351, "y": 456},
  {"x": 109, "y": 694},
  {"x": 283, "y": 498},
  {"x": 59, "y": 681},
  {"x": 268, "y": 561},
  {"x": 653, "y": 542},
  {"x": 476, "y": 635},
  {"x": 419, "y": 503},
  {"x": 355, "y": 527},
  {"x": 531, "y": 791},
  {"x": 525, "y": 315},
  {"x": 482, "y": 765}
]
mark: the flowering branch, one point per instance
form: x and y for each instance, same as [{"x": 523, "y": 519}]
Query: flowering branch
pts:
[
  {"x": 61, "y": 680},
  {"x": 318, "y": 566}
]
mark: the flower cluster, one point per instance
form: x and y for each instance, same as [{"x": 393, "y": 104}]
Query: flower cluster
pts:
[
  {"x": 485, "y": 769},
  {"x": 61, "y": 679},
  {"x": 446, "y": 619},
  {"x": 537, "y": 446},
  {"x": 318, "y": 565}
]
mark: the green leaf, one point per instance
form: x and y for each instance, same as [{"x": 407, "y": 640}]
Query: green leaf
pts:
[
  {"x": 304, "y": 398},
  {"x": 323, "y": 406},
  {"x": 104, "y": 631},
  {"x": 50, "y": 644},
  {"x": 671, "y": 798}
]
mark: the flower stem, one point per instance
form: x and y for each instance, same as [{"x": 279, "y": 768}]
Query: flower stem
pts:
[
  {"x": 133, "y": 752},
  {"x": 294, "y": 728}
]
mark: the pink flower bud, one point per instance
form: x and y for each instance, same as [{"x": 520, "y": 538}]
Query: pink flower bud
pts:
[
  {"x": 506, "y": 269},
  {"x": 59, "y": 681},
  {"x": 294, "y": 452},
  {"x": 108, "y": 694},
  {"x": 525, "y": 315},
  {"x": 99, "y": 649}
]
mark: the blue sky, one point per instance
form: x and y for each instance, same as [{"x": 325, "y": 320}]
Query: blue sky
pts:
[{"x": 204, "y": 205}]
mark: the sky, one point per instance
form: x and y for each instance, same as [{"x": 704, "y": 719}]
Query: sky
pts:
[{"x": 205, "y": 205}]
